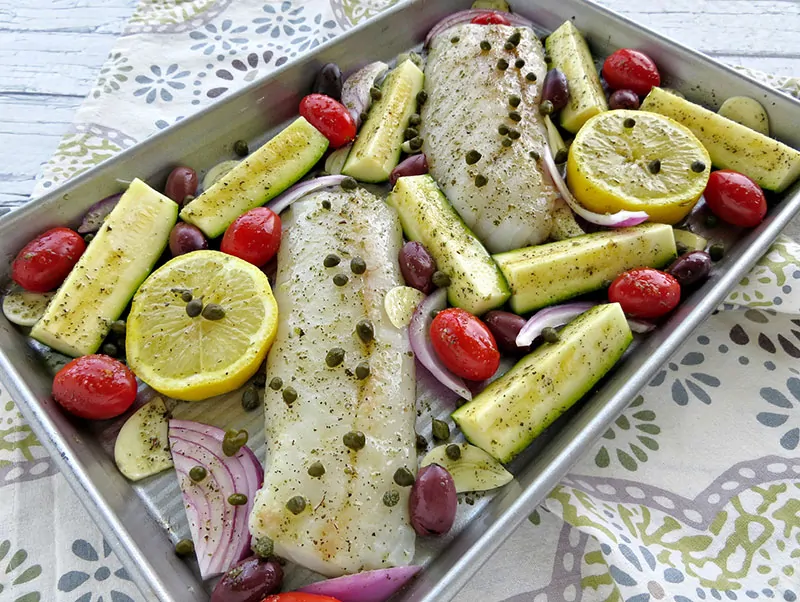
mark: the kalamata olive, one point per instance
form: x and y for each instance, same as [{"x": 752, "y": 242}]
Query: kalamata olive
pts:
[
  {"x": 182, "y": 182},
  {"x": 417, "y": 266},
  {"x": 691, "y": 269},
  {"x": 624, "y": 99},
  {"x": 249, "y": 581},
  {"x": 415, "y": 165},
  {"x": 556, "y": 89},
  {"x": 433, "y": 501},
  {"x": 186, "y": 238},
  {"x": 329, "y": 81},
  {"x": 505, "y": 327}
]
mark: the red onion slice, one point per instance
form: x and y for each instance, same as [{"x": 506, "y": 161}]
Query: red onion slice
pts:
[
  {"x": 355, "y": 89},
  {"x": 551, "y": 317},
  {"x": 97, "y": 213},
  {"x": 620, "y": 219},
  {"x": 418, "y": 334},
  {"x": 301, "y": 189},
  {"x": 465, "y": 16},
  {"x": 640, "y": 326},
  {"x": 369, "y": 586},
  {"x": 219, "y": 530}
]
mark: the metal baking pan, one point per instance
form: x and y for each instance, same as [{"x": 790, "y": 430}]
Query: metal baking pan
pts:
[{"x": 135, "y": 517}]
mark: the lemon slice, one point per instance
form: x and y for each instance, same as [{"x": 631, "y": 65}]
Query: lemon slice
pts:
[
  {"x": 195, "y": 358},
  {"x": 400, "y": 303},
  {"x": 637, "y": 161}
]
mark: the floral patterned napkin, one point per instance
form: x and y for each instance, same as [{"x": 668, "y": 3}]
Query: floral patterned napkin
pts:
[{"x": 694, "y": 492}]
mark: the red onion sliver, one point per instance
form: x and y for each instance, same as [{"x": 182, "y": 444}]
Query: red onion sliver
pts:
[
  {"x": 219, "y": 529},
  {"x": 355, "y": 89},
  {"x": 301, "y": 189},
  {"x": 620, "y": 219},
  {"x": 551, "y": 317},
  {"x": 640, "y": 326},
  {"x": 370, "y": 586},
  {"x": 465, "y": 16},
  {"x": 418, "y": 334},
  {"x": 97, "y": 213}
]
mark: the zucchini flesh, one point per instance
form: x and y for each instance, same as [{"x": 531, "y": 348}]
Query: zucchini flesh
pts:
[
  {"x": 109, "y": 272},
  {"x": 512, "y": 411},
  {"x": 553, "y": 272}
]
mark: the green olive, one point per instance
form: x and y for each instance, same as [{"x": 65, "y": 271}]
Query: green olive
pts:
[
  {"x": 197, "y": 473},
  {"x": 316, "y": 470},
  {"x": 354, "y": 440},
  {"x": 296, "y": 505},
  {"x": 441, "y": 430},
  {"x": 404, "y": 477},
  {"x": 185, "y": 547},
  {"x": 334, "y": 357},
  {"x": 237, "y": 499}
]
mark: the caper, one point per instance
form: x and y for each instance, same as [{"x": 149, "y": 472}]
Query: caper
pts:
[
  {"x": 629, "y": 122},
  {"x": 441, "y": 430},
  {"x": 654, "y": 167},
  {"x": 534, "y": 155},
  {"x": 276, "y": 383},
  {"x": 197, "y": 473},
  {"x": 472, "y": 157},
  {"x": 326, "y": 204},
  {"x": 712, "y": 221},
  {"x": 515, "y": 38},
  {"x": 365, "y": 331},
  {"x": 698, "y": 166},
  {"x": 502, "y": 64},
  {"x": 194, "y": 308},
  {"x": 507, "y": 142},
  {"x": 240, "y": 148},
  {"x": 508, "y": 46},
  {"x": 414, "y": 120},
  {"x": 362, "y": 371},
  {"x": 237, "y": 499},
  {"x": 233, "y": 441},
  {"x": 186, "y": 295},
  {"x": 481, "y": 181},
  {"x": 334, "y": 357},
  {"x": 716, "y": 251},
  {"x": 340, "y": 279},
  {"x": 515, "y": 116},
  {"x": 519, "y": 63},
  {"x": 422, "y": 443},
  {"x": 415, "y": 143},
  {"x": 89, "y": 237},
  {"x": 422, "y": 97},
  {"x": 375, "y": 93},
  {"x": 185, "y": 547},
  {"x": 531, "y": 76},
  {"x": 453, "y": 451},
  {"x": 391, "y": 498},
  {"x": 502, "y": 129},
  {"x": 485, "y": 46},
  {"x": 316, "y": 470},
  {"x": 296, "y": 505},
  {"x": 250, "y": 399},
  {"x": 514, "y": 134},
  {"x": 263, "y": 547},
  {"x": 289, "y": 395},
  {"x": 546, "y": 108},
  {"x": 454, "y": 40},
  {"x": 561, "y": 155},
  {"x": 331, "y": 261},
  {"x": 118, "y": 327},
  {"x": 440, "y": 279},
  {"x": 355, "y": 440},
  {"x": 212, "y": 311},
  {"x": 349, "y": 184},
  {"x": 410, "y": 133},
  {"x": 363, "y": 116},
  {"x": 358, "y": 265},
  {"x": 260, "y": 379},
  {"x": 550, "y": 335},
  {"x": 404, "y": 477},
  {"x": 110, "y": 349},
  {"x": 470, "y": 500}
]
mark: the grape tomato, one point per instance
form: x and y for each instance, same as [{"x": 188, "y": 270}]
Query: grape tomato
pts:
[
  {"x": 645, "y": 293},
  {"x": 96, "y": 387},
  {"x": 735, "y": 198},
  {"x": 254, "y": 236},
  {"x": 490, "y": 19},
  {"x": 465, "y": 345},
  {"x": 628, "y": 69},
  {"x": 330, "y": 117},
  {"x": 45, "y": 262}
]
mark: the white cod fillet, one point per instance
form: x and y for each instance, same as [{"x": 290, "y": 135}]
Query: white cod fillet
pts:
[
  {"x": 345, "y": 527},
  {"x": 468, "y": 100}
]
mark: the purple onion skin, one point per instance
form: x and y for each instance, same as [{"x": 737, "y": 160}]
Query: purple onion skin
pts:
[
  {"x": 556, "y": 89},
  {"x": 417, "y": 266},
  {"x": 433, "y": 501},
  {"x": 186, "y": 238},
  {"x": 624, "y": 99},
  {"x": 691, "y": 269},
  {"x": 415, "y": 165},
  {"x": 505, "y": 327},
  {"x": 97, "y": 213},
  {"x": 249, "y": 581},
  {"x": 182, "y": 182}
]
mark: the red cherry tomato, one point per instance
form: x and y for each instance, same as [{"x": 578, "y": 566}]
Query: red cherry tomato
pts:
[
  {"x": 735, "y": 198},
  {"x": 97, "y": 387},
  {"x": 632, "y": 70},
  {"x": 464, "y": 344},
  {"x": 645, "y": 293},
  {"x": 254, "y": 236},
  {"x": 490, "y": 19},
  {"x": 45, "y": 262},
  {"x": 299, "y": 597},
  {"x": 330, "y": 117}
]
